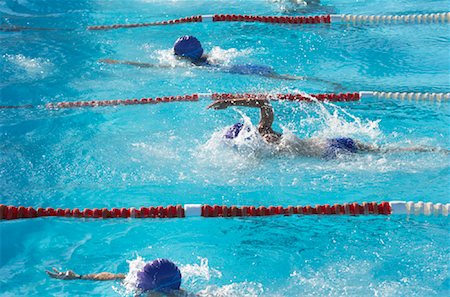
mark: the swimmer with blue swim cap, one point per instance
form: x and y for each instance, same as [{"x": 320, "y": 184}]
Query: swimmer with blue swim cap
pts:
[
  {"x": 312, "y": 147},
  {"x": 161, "y": 275},
  {"x": 190, "y": 49},
  {"x": 158, "y": 276}
]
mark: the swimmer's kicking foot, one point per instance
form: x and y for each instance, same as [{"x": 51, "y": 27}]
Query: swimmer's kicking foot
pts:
[
  {"x": 312, "y": 147},
  {"x": 160, "y": 277},
  {"x": 190, "y": 49}
]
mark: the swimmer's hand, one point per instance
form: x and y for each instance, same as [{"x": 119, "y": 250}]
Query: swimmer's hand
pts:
[
  {"x": 219, "y": 104},
  {"x": 67, "y": 275}
]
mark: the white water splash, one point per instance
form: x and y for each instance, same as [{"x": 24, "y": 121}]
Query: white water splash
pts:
[
  {"x": 129, "y": 285},
  {"x": 245, "y": 289},
  {"x": 194, "y": 272},
  {"x": 292, "y": 2},
  {"x": 294, "y": 5},
  {"x": 225, "y": 57},
  {"x": 217, "y": 56},
  {"x": 167, "y": 58},
  {"x": 321, "y": 121},
  {"x": 36, "y": 68},
  {"x": 332, "y": 120},
  {"x": 238, "y": 153},
  {"x": 226, "y": 161},
  {"x": 290, "y": 5}
]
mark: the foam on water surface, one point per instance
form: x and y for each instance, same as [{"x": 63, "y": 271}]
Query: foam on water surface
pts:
[
  {"x": 33, "y": 68},
  {"x": 217, "y": 56}
]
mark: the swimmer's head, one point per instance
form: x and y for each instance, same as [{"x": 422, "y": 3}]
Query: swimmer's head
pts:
[
  {"x": 160, "y": 275},
  {"x": 188, "y": 47},
  {"x": 234, "y": 130}
]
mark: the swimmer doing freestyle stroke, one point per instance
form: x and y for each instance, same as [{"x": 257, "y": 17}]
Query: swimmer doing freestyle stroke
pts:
[
  {"x": 190, "y": 49},
  {"x": 160, "y": 277},
  {"x": 311, "y": 147}
]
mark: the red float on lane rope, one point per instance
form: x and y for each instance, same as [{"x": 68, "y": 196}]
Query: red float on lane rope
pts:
[
  {"x": 332, "y": 97},
  {"x": 192, "y": 210},
  {"x": 13, "y": 212},
  {"x": 326, "y": 19},
  {"x": 342, "y": 97},
  {"x": 437, "y": 18},
  {"x": 134, "y": 101}
]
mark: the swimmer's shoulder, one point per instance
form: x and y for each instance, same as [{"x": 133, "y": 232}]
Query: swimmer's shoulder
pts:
[
  {"x": 310, "y": 147},
  {"x": 203, "y": 61}
]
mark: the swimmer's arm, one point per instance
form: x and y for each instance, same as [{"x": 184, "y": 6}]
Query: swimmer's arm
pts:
[
  {"x": 267, "y": 116},
  {"x": 70, "y": 275},
  {"x": 249, "y": 102},
  {"x": 137, "y": 64},
  {"x": 103, "y": 276},
  {"x": 365, "y": 147}
]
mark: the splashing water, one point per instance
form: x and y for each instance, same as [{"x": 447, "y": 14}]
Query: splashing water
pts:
[
  {"x": 129, "y": 285},
  {"x": 290, "y": 5},
  {"x": 225, "y": 57},
  {"x": 336, "y": 123},
  {"x": 217, "y": 56},
  {"x": 245, "y": 289},
  {"x": 238, "y": 153},
  {"x": 232, "y": 161},
  {"x": 322, "y": 121},
  {"x": 36, "y": 68},
  {"x": 193, "y": 273},
  {"x": 292, "y": 2},
  {"x": 167, "y": 58}
]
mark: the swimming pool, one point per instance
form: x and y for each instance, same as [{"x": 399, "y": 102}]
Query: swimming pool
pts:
[{"x": 132, "y": 156}]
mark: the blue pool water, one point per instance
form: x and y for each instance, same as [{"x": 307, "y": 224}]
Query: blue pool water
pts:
[{"x": 132, "y": 156}]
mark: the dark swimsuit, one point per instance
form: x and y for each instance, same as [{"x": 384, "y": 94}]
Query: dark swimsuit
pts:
[
  {"x": 245, "y": 69},
  {"x": 339, "y": 146}
]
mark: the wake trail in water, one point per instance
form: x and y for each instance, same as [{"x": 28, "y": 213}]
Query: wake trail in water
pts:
[{"x": 217, "y": 56}]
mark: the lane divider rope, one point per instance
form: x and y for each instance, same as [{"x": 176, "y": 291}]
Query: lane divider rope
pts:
[
  {"x": 394, "y": 19},
  {"x": 409, "y": 95},
  {"x": 205, "y": 210},
  {"x": 214, "y": 96},
  {"x": 319, "y": 19},
  {"x": 331, "y": 97}
]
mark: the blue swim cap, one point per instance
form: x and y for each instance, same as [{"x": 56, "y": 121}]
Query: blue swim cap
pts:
[
  {"x": 189, "y": 47},
  {"x": 160, "y": 275},
  {"x": 234, "y": 130}
]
